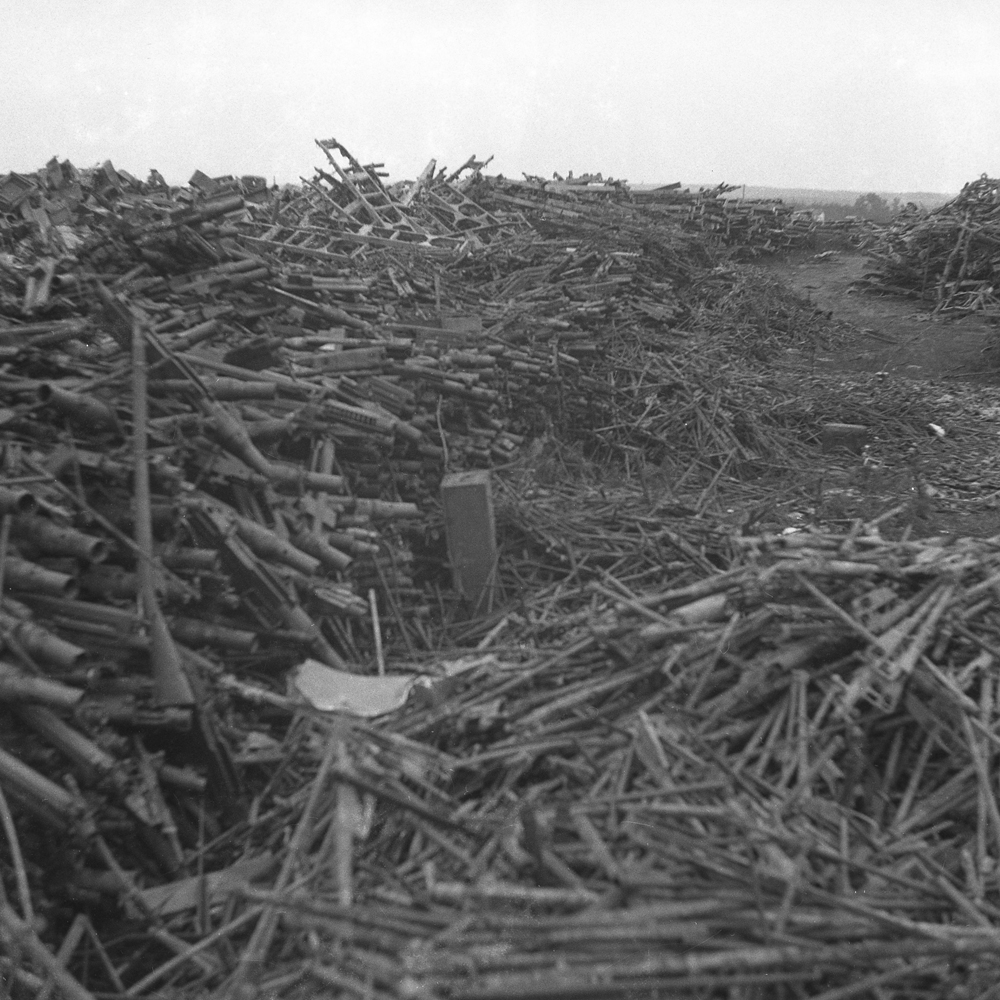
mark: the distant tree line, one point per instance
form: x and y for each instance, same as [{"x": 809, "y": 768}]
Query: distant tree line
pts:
[{"x": 868, "y": 206}]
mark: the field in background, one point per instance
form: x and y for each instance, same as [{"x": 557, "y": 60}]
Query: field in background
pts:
[
  {"x": 879, "y": 206},
  {"x": 816, "y": 196}
]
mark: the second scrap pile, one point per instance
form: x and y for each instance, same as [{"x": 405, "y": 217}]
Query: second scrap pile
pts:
[{"x": 947, "y": 257}]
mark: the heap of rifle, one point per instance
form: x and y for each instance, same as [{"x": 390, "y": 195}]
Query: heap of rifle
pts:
[
  {"x": 226, "y": 412},
  {"x": 947, "y": 258}
]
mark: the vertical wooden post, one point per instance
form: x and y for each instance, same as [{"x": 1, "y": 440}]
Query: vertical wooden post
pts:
[{"x": 467, "y": 499}]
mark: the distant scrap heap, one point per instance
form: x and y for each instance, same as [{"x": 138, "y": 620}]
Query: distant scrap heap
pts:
[
  {"x": 947, "y": 257},
  {"x": 439, "y": 210}
]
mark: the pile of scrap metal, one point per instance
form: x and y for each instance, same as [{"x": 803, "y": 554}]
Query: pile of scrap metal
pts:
[
  {"x": 226, "y": 411},
  {"x": 947, "y": 257}
]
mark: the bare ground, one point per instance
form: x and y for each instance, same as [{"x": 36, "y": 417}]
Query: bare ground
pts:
[
  {"x": 894, "y": 334},
  {"x": 933, "y": 370}
]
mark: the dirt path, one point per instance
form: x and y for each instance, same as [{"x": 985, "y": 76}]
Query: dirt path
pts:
[
  {"x": 938, "y": 367},
  {"x": 893, "y": 333}
]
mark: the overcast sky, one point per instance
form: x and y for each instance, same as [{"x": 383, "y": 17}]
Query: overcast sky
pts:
[{"x": 891, "y": 95}]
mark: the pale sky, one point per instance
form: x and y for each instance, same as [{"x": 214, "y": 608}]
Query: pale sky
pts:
[{"x": 888, "y": 95}]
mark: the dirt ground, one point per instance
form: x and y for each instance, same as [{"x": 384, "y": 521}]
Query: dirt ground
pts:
[
  {"x": 936, "y": 370},
  {"x": 894, "y": 334}
]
